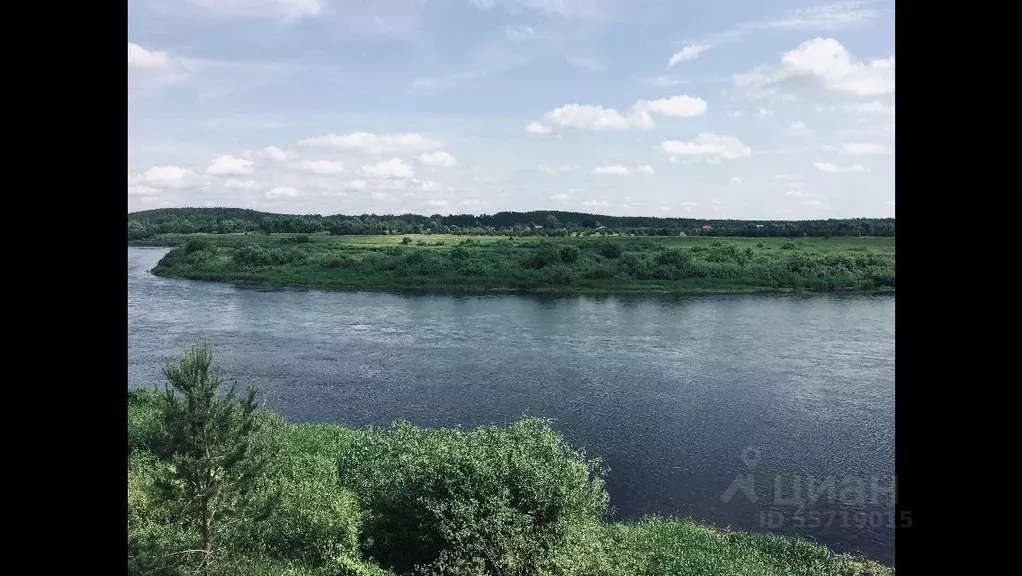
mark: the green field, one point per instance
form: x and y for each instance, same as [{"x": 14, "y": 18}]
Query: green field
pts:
[{"x": 570, "y": 265}]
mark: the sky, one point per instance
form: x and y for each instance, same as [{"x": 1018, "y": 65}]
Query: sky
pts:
[{"x": 767, "y": 109}]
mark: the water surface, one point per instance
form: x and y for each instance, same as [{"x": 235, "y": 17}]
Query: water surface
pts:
[{"x": 680, "y": 396}]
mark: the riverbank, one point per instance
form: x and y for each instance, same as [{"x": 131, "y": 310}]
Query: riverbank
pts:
[
  {"x": 573, "y": 265},
  {"x": 409, "y": 500}
]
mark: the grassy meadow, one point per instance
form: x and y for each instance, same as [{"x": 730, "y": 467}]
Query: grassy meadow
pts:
[{"x": 570, "y": 265}]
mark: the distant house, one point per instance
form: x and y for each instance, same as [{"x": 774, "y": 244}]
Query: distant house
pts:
[{"x": 707, "y": 227}]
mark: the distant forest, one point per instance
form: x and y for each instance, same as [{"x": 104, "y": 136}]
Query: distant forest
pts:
[{"x": 148, "y": 223}]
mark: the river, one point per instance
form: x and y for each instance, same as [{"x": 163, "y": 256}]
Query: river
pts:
[{"x": 726, "y": 409}]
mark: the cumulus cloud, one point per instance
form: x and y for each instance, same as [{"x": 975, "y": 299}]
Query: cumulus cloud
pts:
[
  {"x": 596, "y": 204},
  {"x": 690, "y": 52},
  {"x": 594, "y": 118},
  {"x": 325, "y": 167},
  {"x": 437, "y": 203},
  {"x": 765, "y": 113},
  {"x": 823, "y": 63},
  {"x": 710, "y": 146},
  {"x": 273, "y": 153},
  {"x": 539, "y": 128},
  {"x": 165, "y": 177},
  {"x": 393, "y": 168},
  {"x": 227, "y": 164},
  {"x": 736, "y": 180},
  {"x": 785, "y": 177},
  {"x": 357, "y": 184},
  {"x": 143, "y": 191},
  {"x": 438, "y": 159},
  {"x": 678, "y": 106},
  {"x": 864, "y": 149},
  {"x": 560, "y": 197},
  {"x": 281, "y": 192},
  {"x": 141, "y": 59},
  {"x": 375, "y": 144},
  {"x": 469, "y": 202},
  {"x": 828, "y": 167},
  {"x": 585, "y": 116}
]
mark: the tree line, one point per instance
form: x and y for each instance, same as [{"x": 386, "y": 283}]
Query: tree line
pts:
[{"x": 146, "y": 224}]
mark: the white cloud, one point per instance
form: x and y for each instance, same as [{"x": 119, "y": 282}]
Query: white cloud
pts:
[
  {"x": 620, "y": 170},
  {"x": 616, "y": 169},
  {"x": 375, "y": 144},
  {"x": 379, "y": 196},
  {"x": 690, "y": 52},
  {"x": 596, "y": 203},
  {"x": 709, "y": 146},
  {"x": 437, "y": 203},
  {"x": 393, "y": 168},
  {"x": 864, "y": 149},
  {"x": 281, "y": 192},
  {"x": 816, "y": 203},
  {"x": 677, "y": 106},
  {"x": 557, "y": 170},
  {"x": 227, "y": 164},
  {"x": 254, "y": 9},
  {"x": 824, "y": 63},
  {"x": 795, "y": 193},
  {"x": 765, "y": 113},
  {"x": 595, "y": 118},
  {"x": 438, "y": 159},
  {"x": 585, "y": 116},
  {"x": 785, "y": 177},
  {"x": 714, "y": 201},
  {"x": 828, "y": 167},
  {"x": 538, "y": 128},
  {"x": 799, "y": 128},
  {"x": 141, "y": 59},
  {"x": 736, "y": 180},
  {"x": 469, "y": 202},
  {"x": 560, "y": 197},
  {"x": 325, "y": 167},
  {"x": 143, "y": 191},
  {"x": 165, "y": 177},
  {"x": 274, "y": 153},
  {"x": 237, "y": 184},
  {"x": 358, "y": 184}
]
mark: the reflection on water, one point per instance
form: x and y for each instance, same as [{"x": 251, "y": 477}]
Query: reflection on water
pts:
[{"x": 668, "y": 390}]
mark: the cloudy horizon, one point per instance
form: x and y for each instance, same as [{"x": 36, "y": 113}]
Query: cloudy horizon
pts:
[{"x": 734, "y": 109}]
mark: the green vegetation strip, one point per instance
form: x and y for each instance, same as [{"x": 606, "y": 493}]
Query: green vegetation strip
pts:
[
  {"x": 570, "y": 265},
  {"x": 217, "y": 486}
]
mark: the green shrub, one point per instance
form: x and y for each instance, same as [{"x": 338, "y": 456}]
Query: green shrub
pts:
[
  {"x": 610, "y": 250},
  {"x": 500, "y": 497},
  {"x": 569, "y": 254}
]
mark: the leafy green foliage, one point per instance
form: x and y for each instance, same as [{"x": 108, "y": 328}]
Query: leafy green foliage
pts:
[
  {"x": 499, "y": 498},
  {"x": 681, "y": 264}
]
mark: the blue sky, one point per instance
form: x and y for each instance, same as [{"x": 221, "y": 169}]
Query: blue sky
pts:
[{"x": 724, "y": 109}]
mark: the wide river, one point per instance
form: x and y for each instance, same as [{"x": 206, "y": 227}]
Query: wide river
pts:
[{"x": 765, "y": 413}]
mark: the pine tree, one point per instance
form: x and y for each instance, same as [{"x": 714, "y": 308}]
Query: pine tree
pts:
[{"x": 208, "y": 435}]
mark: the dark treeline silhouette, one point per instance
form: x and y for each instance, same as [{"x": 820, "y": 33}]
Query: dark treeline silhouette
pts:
[{"x": 149, "y": 223}]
